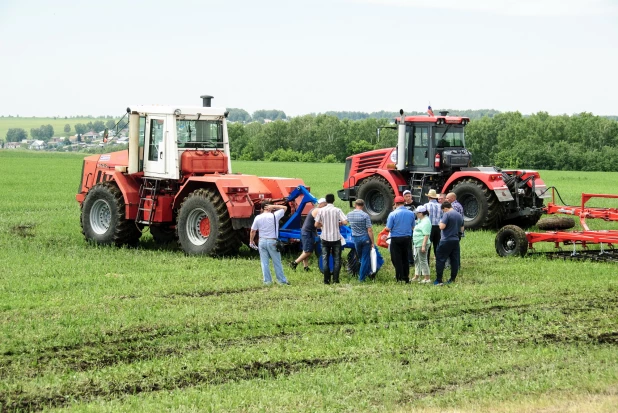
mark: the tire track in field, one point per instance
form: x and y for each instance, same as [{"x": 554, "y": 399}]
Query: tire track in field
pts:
[
  {"x": 140, "y": 343},
  {"x": 18, "y": 400}
]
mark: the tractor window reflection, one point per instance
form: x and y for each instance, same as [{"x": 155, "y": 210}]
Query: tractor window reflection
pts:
[
  {"x": 448, "y": 137},
  {"x": 156, "y": 137},
  {"x": 421, "y": 146},
  {"x": 201, "y": 134}
]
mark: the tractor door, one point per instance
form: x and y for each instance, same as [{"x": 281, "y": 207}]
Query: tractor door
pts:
[
  {"x": 419, "y": 156},
  {"x": 155, "y": 150}
]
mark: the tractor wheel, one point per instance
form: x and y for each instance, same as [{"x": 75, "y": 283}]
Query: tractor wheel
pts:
[
  {"x": 378, "y": 196},
  {"x": 482, "y": 210},
  {"x": 204, "y": 225},
  {"x": 103, "y": 217},
  {"x": 556, "y": 223},
  {"x": 163, "y": 234},
  {"x": 511, "y": 241}
]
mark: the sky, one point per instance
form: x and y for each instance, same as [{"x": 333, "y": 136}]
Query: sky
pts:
[{"x": 83, "y": 57}]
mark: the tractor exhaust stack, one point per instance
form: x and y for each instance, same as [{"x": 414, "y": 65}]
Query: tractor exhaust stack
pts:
[{"x": 206, "y": 99}]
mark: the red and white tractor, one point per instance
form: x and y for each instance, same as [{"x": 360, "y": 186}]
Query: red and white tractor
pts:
[
  {"x": 431, "y": 154},
  {"x": 175, "y": 178}
]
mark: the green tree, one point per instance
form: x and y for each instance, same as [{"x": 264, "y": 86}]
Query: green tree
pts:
[
  {"x": 67, "y": 128},
  {"x": 80, "y": 128},
  {"x": 98, "y": 125},
  {"x": 110, "y": 124},
  {"x": 238, "y": 115},
  {"x": 16, "y": 135}
]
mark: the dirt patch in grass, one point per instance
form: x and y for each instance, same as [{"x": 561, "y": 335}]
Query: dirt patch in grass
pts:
[
  {"x": 23, "y": 230},
  {"x": 211, "y": 293}
]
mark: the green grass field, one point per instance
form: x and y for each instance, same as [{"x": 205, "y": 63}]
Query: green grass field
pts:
[
  {"x": 88, "y": 328},
  {"x": 33, "y": 122}
]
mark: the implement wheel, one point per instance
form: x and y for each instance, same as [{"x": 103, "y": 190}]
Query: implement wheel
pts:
[
  {"x": 511, "y": 241},
  {"x": 556, "y": 223}
]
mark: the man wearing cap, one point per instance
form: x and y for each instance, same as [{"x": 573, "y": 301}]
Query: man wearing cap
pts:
[
  {"x": 362, "y": 234},
  {"x": 308, "y": 233},
  {"x": 409, "y": 204},
  {"x": 329, "y": 219},
  {"x": 399, "y": 224},
  {"x": 435, "y": 213}
]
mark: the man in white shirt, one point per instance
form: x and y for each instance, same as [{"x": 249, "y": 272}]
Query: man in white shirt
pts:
[
  {"x": 329, "y": 219},
  {"x": 267, "y": 223}
]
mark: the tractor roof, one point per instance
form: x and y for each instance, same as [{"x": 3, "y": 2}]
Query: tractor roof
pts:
[
  {"x": 436, "y": 119},
  {"x": 184, "y": 110}
]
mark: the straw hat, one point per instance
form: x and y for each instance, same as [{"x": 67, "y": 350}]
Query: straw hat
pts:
[{"x": 432, "y": 194}]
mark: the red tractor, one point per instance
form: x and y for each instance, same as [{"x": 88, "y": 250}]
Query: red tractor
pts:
[
  {"x": 431, "y": 153},
  {"x": 175, "y": 178}
]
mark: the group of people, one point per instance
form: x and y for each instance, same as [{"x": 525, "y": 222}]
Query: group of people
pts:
[
  {"x": 412, "y": 231},
  {"x": 438, "y": 223}
]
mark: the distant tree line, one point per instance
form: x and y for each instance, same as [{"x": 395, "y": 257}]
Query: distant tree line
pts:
[
  {"x": 508, "y": 140},
  {"x": 582, "y": 142}
]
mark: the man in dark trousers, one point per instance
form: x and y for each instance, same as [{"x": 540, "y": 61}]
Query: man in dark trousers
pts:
[
  {"x": 409, "y": 204},
  {"x": 399, "y": 224},
  {"x": 362, "y": 234},
  {"x": 451, "y": 225},
  {"x": 329, "y": 219}
]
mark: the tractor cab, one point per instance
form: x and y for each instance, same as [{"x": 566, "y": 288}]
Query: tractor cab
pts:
[
  {"x": 433, "y": 144},
  {"x": 167, "y": 142}
]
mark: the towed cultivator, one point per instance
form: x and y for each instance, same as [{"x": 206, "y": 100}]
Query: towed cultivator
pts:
[{"x": 512, "y": 240}]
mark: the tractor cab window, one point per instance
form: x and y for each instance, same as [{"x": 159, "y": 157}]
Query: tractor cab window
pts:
[
  {"x": 199, "y": 134},
  {"x": 449, "y": 136},
  {"x": 156, "y": 137},
  {"x": 421, "y": 146}
]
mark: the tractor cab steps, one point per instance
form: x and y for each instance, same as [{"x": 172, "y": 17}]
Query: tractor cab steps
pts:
[
  {"x": 417, "y": 181},
  {"x": 148, "y": 193}
]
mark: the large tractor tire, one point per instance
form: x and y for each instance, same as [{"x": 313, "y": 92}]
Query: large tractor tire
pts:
[
  {"x": 204, "y": 225},
  {"x": 163, "y": 234},
  {"x": 511, "y": 241},
  {"x": 556, "y": 223},
  {"x": 103, "y": 217},
  {"x": 482, "y": 210},
  {"x": 378, "y": 196}
]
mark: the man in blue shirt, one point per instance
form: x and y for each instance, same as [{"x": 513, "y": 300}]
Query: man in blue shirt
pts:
[
  {"x": 451, "y": 225},
  {"x": 399, "y": 224},
  {"x": 362, "y": 234}
]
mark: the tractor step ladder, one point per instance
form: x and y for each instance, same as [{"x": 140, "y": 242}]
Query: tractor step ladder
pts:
[
  {"x": 147, "y": 191},
  {"x": 416, "y": 182}
]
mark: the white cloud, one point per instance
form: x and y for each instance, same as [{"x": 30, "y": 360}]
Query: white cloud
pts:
[{"x": 510, "y": 7}]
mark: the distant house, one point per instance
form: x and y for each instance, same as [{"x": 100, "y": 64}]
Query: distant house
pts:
[
  {"x": 37, "y": 145},
  {"x": 12, "y": 145},
  {"x": 91, "y": 135}
]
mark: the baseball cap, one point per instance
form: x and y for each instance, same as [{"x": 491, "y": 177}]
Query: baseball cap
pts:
[
  {"x": 321, "y": 200},
  {"x": 422, "y": 208},
  {"x": 406, "y": 192},
  {"x": 399, "y": 199}
]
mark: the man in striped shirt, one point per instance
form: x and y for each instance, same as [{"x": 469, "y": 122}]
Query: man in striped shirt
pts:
[
  {"x": 329, "y": 219},
  {"x": 435, "y": 213}
]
